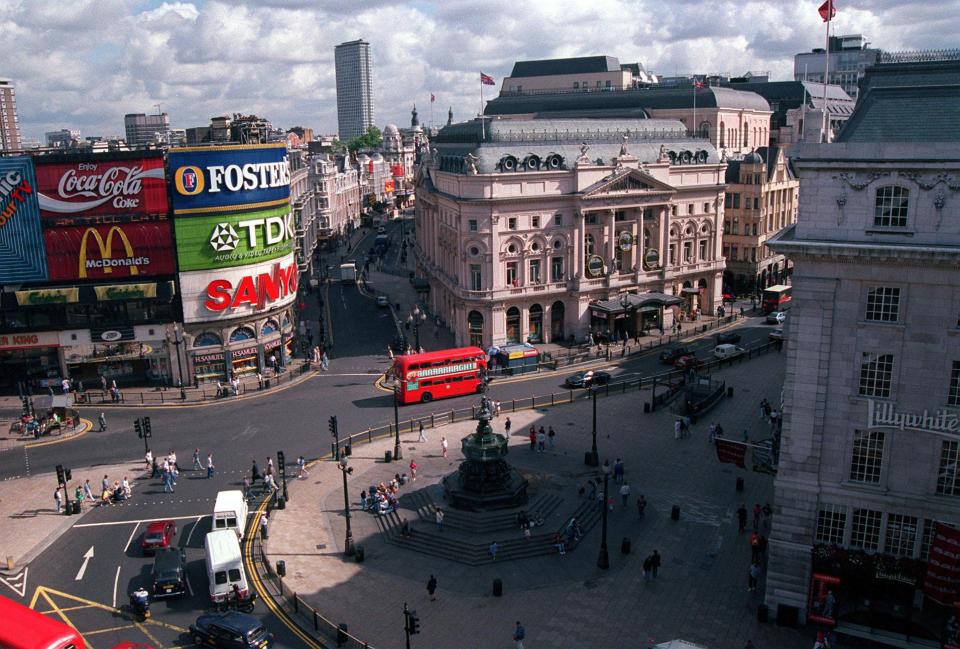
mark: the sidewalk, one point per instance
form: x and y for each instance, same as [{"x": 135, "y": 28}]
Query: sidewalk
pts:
[
  {"x": 10, "y": 439},
  {"x": 563, "y": 601}
]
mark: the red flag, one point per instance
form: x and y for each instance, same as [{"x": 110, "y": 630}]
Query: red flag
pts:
[
  {"x": 827, "y": 11},
  {"x": 432, "y": 98},
  {"x": 697, "y": 83},
  {"x": 487, "y": 80},
  {"x": 731, "y": 452}
]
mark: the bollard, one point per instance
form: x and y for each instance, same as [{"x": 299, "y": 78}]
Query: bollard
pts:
[
  {"x": 282, "y": 568},
  {"x": 730, "y": 392},
  {"x": 739, "y": 484},
  {"x": 625, "y": 545},
  {"x": 497, "y": 588},
  {"x": 10, "y": 564},
  {"x": 675, "y": 513},
  {"x": 359, "y": 554}
]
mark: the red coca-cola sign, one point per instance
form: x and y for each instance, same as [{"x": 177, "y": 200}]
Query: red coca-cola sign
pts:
[{"x": 107, "y": 185}]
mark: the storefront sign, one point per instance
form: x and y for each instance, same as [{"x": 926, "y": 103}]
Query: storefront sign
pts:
[
  {"x": 23, "y": 258},
  {"x": 126, "y": 291},
  {"x": 226, "y": 240},
  {"x": 112, "y": 334},
  {"x": 221, "y": 178},
  {"x": 208, "y": 358},
  {"x": 24, "y": 341},
  {"x": 48, "y": 296},
  {"x": 595, "y": 266},
  {"x": 102, "y": 185},
  {"x": 235, "y": 292},
  {"x": 110, "y": 251},
  {"x": 246, "y": 351},
  {"x": 881, "y": 414},
  {"x": 388, "y": 185},
  {"x": 943, "y": 569}
]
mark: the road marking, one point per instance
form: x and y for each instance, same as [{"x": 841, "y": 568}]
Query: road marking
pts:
[
  {"x": 56, "y": 609},
  {"x": 45, "y": 592},
  {"x": 111, "y": 629},
  {"x": 50, "y": 442},
  {"x": 83, "y": 567},
  {"x": 142, "y": 520},
  {"x": 190, "y": 535},
  {"x": 189, "y": 585},
  {"x": 130, "y": 540},
  {"x": 143, "y": 629},
  {"x": 12, "y": 581},
  {"x": 116, "y": 578}
]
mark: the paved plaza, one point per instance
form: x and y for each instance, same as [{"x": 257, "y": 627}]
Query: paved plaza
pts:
[{"x": 564, "y": 601}]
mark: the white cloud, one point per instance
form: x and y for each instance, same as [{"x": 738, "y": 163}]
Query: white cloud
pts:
[{"x": 85, "y": 63}]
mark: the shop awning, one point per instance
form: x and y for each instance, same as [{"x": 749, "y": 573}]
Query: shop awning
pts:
[{"x": 644, "y": 302}]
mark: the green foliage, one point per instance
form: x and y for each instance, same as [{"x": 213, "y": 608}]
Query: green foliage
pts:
[{"x": 369, "y": 140}]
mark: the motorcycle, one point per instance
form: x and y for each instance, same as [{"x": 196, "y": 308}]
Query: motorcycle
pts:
[
  {"x": 140, "y": 603},
  {"x": 244, "y": 605}
]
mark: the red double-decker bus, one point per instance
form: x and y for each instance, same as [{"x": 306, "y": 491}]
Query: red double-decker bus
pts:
[
  {"x": 24, "y": 628},
  {"x": 777, "y": 298},
  {"x": 438, "y": 375}
]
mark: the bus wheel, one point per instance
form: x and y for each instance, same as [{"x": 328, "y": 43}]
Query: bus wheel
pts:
[{"x": 426, "y": 397}]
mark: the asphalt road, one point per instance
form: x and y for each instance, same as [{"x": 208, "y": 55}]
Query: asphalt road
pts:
[{"x": 235, "y": 432}]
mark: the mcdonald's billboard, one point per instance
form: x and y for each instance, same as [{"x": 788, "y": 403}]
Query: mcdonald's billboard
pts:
[
  {"x": 110, "y": 252},
  {"x": 21, "y": 241}
]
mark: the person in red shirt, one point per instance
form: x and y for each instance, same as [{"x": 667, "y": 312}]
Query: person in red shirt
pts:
[{"x": 533, "y": 438}]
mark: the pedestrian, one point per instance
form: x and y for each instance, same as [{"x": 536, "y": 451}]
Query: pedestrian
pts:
[
  {"x": 196, "y": 460},
  {"x": 154, "y": 468},
  {"x": 209, "y": 465},
  {"x": 88, "y": 490},
  {"x": 647, "y": 568},
  {"x": 148, "y": 458},
  {"x": 260, "y": 380},
  {"x": 497, "y": 413},
  {"x": 421, "y": 437},
  {"x": 103, "y": 383},
  {"x": 493, "y": 550},
  {"x": 519, "y": 633},
  {"x": 757, "y": 515},
  {"x": 742, "y": 519},
  {"x": 324, "y": 362},
  {"x": 752, "y": 577},
  {"x": 618, "y": 471},
  {"x": 302, "y": 467},
  {"x": 625, "y": 493},
  {"x": 541, "y": 440},
  {"x": 532, "y": 434},
  {"x": 677, "y": 429},
  {"x": 103, "y": 422},
  {"x": 432, "y": 588},
  {"x": 413, "y": 470},
  {"x": 506, "y": 426},
  {"x": 655, "y": 563},
  {"x": 105, "y": 484},
  {"x": 443, "y": 446},
  {"x": 254, "y": 473},
  {"x": 552, "y": 438},
  {"x": 439, "y": 517},
  {"x": 58, "y": 499},
  {"x": 754, "y": 547},
  {"x": 641, "y": 506}
]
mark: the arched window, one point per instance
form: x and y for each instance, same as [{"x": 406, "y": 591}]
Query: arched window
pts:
[
  {"x": 513, "y": 325},
  {"x": 723, "y": 135},
  {"x": 704, "y": 129},
  {"x": 535, "y": 319},
  {"x": 242, "y": 333},
  {"x": 475, "y": 328},
  {"x": 269, "y": 327},
  {"x": 557, "y": 315},
  {"x": 207, "y": 339},
  {"x": 702, "y": 283},
  {"x": 746, "y": 135}
]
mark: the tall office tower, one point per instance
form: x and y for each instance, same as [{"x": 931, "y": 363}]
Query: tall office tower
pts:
[
  {"x": 144, "y": 129},
  {"x": 354, "y": 89},
  {"x": 9, "y": 124}
]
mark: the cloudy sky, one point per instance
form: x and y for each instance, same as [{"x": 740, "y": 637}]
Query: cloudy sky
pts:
[{"x": 85, "y": 63}]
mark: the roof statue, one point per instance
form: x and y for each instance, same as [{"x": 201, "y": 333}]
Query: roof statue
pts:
[
  {"x": 582, "y": 158},
  {"x": 662, "y": 156},
  {"x": 623, "y": 145},
  {"x": 414, "y": 120},
  {"x": 470, "y": 161},
  {"x": 450, "y": 116}
]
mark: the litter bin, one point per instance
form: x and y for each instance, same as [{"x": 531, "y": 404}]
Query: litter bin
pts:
[
  {"x": 625, "y": 545},
  {"x": 388, "y": 456},
  {"x": 762, "y": 613},
  {"x": 76, "y": 506},
  {"x": 675, "y": 513},
  {"x": 281, "y": 502},
  {"x": 358, "y": 553},
  {"x": 341, "y": 634},
  {"x": 739, "y": 484},
  {"x": 497, "y": 588},
  {"x": 730, "y": 392},
  {"x": 282, "y": 568},
  {"x": 646, "y": 407}
]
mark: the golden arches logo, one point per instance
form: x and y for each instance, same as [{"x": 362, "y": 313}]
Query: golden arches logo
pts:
[
  {"x": 189, "y": 180},
  {"x": 106, "y": 250}
]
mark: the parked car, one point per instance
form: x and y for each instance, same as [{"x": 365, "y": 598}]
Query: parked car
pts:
[
  {"x": 728, "y": 338},
  {"x": 159, "y": 535},
  {"x": 233, "y": 629},
  {"x": 169, "y": 572},
  {"x": 776, "y": 317},
  {"x": 670, "y": 356},
  {"x": 688, "y": 361},
  {"x": 383, "y": 301},
  {"x": 727, "y": 351},
  {"x": 588, "y": 378},
  {"x": 776, "y": 334}
]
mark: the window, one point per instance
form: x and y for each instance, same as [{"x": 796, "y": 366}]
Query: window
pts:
[
  {"x": 876, "y": 374},
  {"x": 588, "y": 245},
  {"x": 534, "y": 221},
  {"x": 690, "y": 208},
  {"x": 673, "y": 254},
  {"x": 706, "y": 208},
  {"x": 901, "y": 534},
  {"x": 948, "y": 480},
  {"x": 831, "y": 521},
  {"x": 687, "y": 251},
  {"x": 476, "y": 281},
  {"x": 513, "y": 274},
  {"x": 702, "y": 252},
  {"x": 736, "y": 201},
  {"x": 558, "y": 220},
  {"x": 727, "y": 200},
  {"x": 929, "y": 528},
  {"x": 472, "y": 225},
  {"x": 734, "y": 250},
  {"x": 953, "y": 397},
  {"x": 891, "y": 207},
  {"x": 754, "y": 229},
  {"x": 556, "y": 269},
  {"x": 865, "y": 529},
  {"x": 620, "y": 215},
  {"x": 883, "y": 304},
  {"x": 512, "y": 223},
  {"x": 534, "y": 271},
  {"x": 592, "y": 219},
  {"x": 867, "y": 457}
]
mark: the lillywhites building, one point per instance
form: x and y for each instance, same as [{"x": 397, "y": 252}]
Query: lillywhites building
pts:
[{"x": 867, "y": 496}]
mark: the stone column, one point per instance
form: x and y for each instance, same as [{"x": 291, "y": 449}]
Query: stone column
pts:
[
  {"x": 664, "y": 238},
  {"x": 610, "y": 231},
  {"x": 576, "y": 268}
]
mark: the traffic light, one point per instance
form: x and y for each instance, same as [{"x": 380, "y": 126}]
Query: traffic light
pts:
[
  {"x": 280, "y": 462},
  {"x": 146, "y": 427},
  {"x": 413, "y": 623},
  {"x": 333, "y": 426},
  {"x": 68, "y": 476},
  {"x": 138, "y": 426},
  {"x": 61, "y": 476}
]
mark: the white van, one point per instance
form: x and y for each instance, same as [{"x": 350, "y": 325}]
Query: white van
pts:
[
  {"x": 224, "y": 565},
  {"x": 230, "y": 512},
  {"x": 727, "y": 351}
]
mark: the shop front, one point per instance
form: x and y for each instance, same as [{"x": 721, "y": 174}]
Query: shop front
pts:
[
  {"x": 209, "y": 367},
  {"x": 126, "y": 354},
  {"x": 629, "y": 315},
  {"x": 245, "y": 361},
  {"x": 29, "y": 361}
]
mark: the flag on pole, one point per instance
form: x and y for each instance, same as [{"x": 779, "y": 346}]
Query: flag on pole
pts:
[
  {"x": 487, "y": 80},
  {"x": 697, "y": 84},
  {"x": 730, "y": 452},
  {"x": 827, "y": 11},
  {"x": 433, "y": 98}
]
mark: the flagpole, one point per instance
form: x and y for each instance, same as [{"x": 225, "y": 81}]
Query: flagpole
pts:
[
  {"x": 824, "y": 132},
  {"x": 431, "y": 110},
  {"x": 481, "y": 97},
  {"x": 694, "y": 129}
]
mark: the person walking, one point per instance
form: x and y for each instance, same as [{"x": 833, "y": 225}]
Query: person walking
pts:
[
  {"x": 754, "y": 547},
  {"x": 541, "y": 440},
  {"x": 752, "y": 577},
  {"x": 254, "y": 473},
  {"x": 655, "y": 563},
  {"x": 413, "y": 470},
  {"x": 432, "y": 588},
  {"x": 209, "y": 465},
  {"x": 302, "y": 467},
  {"x": 58, "y": 499},
  {"x": 519, "y": 633},
  {"x": 647, "y": 568},
  {"x": 88, "y": 490},
  {"x": 625, "y": 493},
  {"x": 439, "y": 518},
  {"x": 103, "y": 422},
  {"x": 148, "y": 458},
  {"x": 532, "y": 436},
  {"x": 618, "y": 471},
  {"x": 105, "y": 484},
  {"x": 742, "y": 519},
  {"x": 506, "y": 426},
  {"x": 443, "y": 446},
  {"x": 196, "y": 460},
  {"x": 493, "y": 550},
  {"x": 552, "y": 438},
  {"x": 757, "y": 515},
  {"x": 324, "y": 362},
  {"x": 641, "y": 506},
  {"x": 421, "y": 437}
]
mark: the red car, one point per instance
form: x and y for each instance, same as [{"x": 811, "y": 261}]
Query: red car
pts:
[
  {"x": 159, "y": 534},
  {"x": 688, "y": 361}
]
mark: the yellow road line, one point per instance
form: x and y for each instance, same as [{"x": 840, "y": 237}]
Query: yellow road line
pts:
[
  {"x": 66, "y": 609},
  {"x": 113, "y": 628},
  {"x": 50, "y": 442},
  {"x": 143, "y": 629},
  {"x": 89, "y": 603},
  {"x": 66, "y": 620}
]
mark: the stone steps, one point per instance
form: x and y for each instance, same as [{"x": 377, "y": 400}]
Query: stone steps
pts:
[{"x": 483, "y": 522}]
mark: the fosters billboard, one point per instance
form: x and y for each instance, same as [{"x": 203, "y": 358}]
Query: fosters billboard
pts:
[
  {"x": 238, "y": 292},
  {"x": 225, "y": 240},
  {"x": 229, "y": 178},
  {"x": 109, "y": 252},
  {"x": 22, "y": 258}
]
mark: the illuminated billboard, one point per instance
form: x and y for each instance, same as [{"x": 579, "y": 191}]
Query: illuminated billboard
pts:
[
  {"x": 224, "y": 240},
  {"x": 226, "y": 178},
  {"x": 110, "y": 251},
  {"x": 23, "y": 258}
]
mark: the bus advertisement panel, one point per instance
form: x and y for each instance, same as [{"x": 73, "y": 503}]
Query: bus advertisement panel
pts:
[
  {"x": 441, "y": 374},
  {"x": 776, "y": 298}
]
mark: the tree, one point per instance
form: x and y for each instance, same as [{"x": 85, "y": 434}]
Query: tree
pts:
[{"x": 369, "y": 140}]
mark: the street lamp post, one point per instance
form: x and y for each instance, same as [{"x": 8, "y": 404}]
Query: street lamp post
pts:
[
  {"x": 594, "y": 456},
  {"x": 177, "y": 341},
  {"x": 624, "y": 303},
  {"x": 603, "y": 560},
  {"x": 397, "y": 453},
  {"x": 348, "y": 548},
  {"x": 415, "y": 318}
]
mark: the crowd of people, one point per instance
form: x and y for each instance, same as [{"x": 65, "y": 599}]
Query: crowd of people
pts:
[{"x": 384, "y": 497}]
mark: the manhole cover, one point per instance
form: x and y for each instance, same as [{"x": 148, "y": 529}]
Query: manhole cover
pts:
[{"x": 321, "y": 546}]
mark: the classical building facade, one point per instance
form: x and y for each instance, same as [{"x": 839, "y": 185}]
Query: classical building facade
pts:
[
  {"x": 761, "y": 200},
  {"x": 868, "y": 481},
  {"x": 545, "y": 230}
]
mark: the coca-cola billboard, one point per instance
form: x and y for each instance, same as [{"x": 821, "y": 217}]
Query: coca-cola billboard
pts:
[{"x": 71, "y": 190}]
